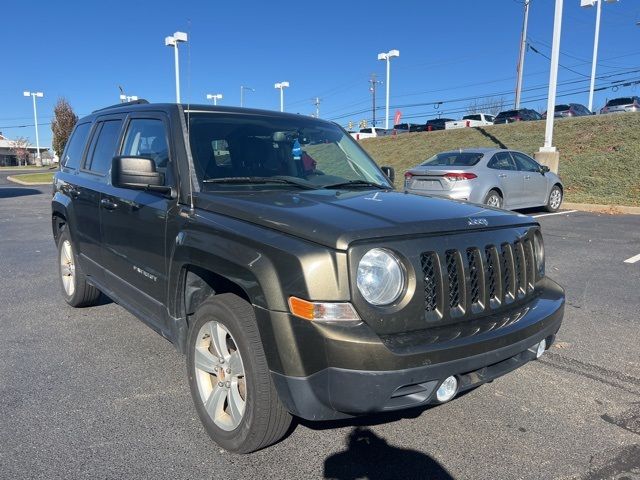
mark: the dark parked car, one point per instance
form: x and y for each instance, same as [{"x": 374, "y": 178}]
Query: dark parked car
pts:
[
  {"x": 622, "y": 104},
  {"x": 520, "y": 115},
  {"x": 409, "y": 127},
  {"x": 273, "y": 252},
  {"x": 569, "y": 110},
  {"x": 437, "y": 123}
]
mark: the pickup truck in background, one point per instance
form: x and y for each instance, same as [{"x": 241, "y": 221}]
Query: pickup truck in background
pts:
[
  {"x": 370, "y": 132},
  {"x": 473, "y": 120}
]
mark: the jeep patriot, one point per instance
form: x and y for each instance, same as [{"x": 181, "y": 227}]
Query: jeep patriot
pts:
[{"x": 275, "y": 254}]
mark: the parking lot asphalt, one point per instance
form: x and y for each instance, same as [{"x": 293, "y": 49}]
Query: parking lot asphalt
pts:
[{"x": 94, "y": 393}]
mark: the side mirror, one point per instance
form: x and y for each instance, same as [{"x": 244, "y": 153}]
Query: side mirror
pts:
[
  {"x": 138, "y": 173},
  {"x": 389, "y": 172},
  {"x": 544, "y": 169}
]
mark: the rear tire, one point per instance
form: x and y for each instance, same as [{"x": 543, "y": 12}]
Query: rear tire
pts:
[
  {"x": 231, "y": 384},
  {"x": 493, "y": 199},
  {"x": 555, "y": 199},
  {"x": 76, "y": 291}
]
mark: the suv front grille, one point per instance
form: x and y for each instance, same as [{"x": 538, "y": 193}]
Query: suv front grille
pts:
[{"x": 475, "y": 280}]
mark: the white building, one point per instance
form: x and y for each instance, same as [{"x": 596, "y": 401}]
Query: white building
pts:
[{"x": 8, "y": 157}]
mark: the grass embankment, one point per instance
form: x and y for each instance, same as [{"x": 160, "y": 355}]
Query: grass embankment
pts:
[
  {"x": 599, "y": 155},
  {"x": 34, "y": 178}
]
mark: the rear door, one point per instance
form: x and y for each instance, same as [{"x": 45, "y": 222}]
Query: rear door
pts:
[
  {"x": 134, "y": 222},
  {"x": 535, "y": 183},
  {"x": 509, "y": 179},
  {"x": 90, "y": 182}
]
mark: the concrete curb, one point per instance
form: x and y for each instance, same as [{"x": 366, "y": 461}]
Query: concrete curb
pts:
[
  {"x": 29, "y": 184},
  {"x": 610, "y": 209}
]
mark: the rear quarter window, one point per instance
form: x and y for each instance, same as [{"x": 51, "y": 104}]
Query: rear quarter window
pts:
[{"x": 75, "y": 148}]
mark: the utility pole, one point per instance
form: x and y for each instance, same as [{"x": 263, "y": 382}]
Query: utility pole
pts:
[
  {"x": 523, "y": 49},
  {"x": 316, "y": 102},
  {"x": 374, "y": 83}
]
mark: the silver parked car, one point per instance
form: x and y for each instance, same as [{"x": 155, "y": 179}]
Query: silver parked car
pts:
[
  {"x": 622, "y": 104},
  {"x": 495, "y": 177}
]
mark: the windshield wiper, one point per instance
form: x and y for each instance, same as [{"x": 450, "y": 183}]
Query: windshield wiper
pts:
[
  {"x": 357, "y": 183},
  {"x": 259, "y": 181}
]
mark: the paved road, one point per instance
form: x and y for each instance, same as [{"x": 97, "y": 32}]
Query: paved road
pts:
[
  {"x": 93, "y": 393},
  {"x": 5, "y": 172}
]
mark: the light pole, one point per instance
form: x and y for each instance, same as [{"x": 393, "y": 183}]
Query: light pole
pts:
[
  {"x": 596, "y": 39},
  {"x": 173, "y": 42},
  {"x": 553, "y": 79},
  {"x": 215, "y": 97},
  {"x": 523, "y": 49},
  {"x": 281, "y": 86},
  {"x": 388, "y": 56},
  {"x": 33, "y": 95},
  {"x": 242, "y": 89}
]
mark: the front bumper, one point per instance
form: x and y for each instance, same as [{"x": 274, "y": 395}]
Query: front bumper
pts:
[{"x": 326, "y": 372}]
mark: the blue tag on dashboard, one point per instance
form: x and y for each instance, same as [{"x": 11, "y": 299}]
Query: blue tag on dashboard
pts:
[{"x": 296, "y": 150}]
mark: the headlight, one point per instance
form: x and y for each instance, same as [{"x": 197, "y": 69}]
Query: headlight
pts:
[
  {"x": 538, "y": 246},
  {"x": 381, "y": 277}
]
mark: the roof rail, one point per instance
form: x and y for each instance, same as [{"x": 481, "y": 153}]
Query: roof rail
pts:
[{"x": 140, "y": 101}]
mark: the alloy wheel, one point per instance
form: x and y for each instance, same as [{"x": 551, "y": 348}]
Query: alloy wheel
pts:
[
  {"x": 67, "y": 268},
  {"x": 220, "y": 376}
]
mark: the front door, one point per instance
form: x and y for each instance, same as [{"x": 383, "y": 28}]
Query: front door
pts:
[
  {"x": 535, "y": 183},
  {"x": 134, "y": 223}
]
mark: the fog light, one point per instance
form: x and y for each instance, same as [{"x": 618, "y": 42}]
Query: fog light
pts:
[
  {"x": 542, "y": 346},
  {"x": 447, "y": 389}
]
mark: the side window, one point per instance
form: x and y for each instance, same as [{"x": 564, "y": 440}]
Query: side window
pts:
[
  {"x": 104, "y": 148},
  {"x": 489, "y": 118},
  {"x": 501, "y": 161},
  {"x": 75, "y": 147},
  {"x": 524, "y": 163},
  {"x": 146, "y": 137}
]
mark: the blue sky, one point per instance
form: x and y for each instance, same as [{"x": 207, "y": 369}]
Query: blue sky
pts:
[{"x": 449, "y": 51}]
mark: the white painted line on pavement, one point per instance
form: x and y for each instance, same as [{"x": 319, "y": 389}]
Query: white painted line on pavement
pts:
[
  {"x": 633, "y": 259},
  {"x": 556, "y": 213}
]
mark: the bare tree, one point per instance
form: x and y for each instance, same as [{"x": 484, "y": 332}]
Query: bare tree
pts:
[
  {"x": 491, "y": 105},
  {"x": 64, "y": 119},
  {"x": 20, "y": 148}
]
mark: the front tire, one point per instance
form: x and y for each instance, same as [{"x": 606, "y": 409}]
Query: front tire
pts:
[
  {"x": 229, "y": 378},
  {"x": 76, "y": 291},
  {"x": 555, "y": 199},
  {"x": 493, "y": 199}
]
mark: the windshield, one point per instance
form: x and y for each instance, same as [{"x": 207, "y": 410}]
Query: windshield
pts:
[
  {"x": 454, "y": 159},
  {"x": 508, "y": 113},
  {"x": 258, "y": 152}
]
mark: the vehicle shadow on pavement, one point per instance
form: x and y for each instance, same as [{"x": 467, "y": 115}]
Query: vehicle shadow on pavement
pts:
[
  {"x": 11, "y": 192},
  {"x": 370, "y": 457},
  {"x": 493, "y": 138}
]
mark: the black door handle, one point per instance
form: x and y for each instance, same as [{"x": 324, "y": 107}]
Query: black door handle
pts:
[{"x": 108, "y": 204}]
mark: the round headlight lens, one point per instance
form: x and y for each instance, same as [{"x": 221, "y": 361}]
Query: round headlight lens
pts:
[
  {"x": 380, "y": 277},
  {"x": 538, "y": 245}
]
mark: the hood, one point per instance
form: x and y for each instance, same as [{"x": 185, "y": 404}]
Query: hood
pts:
[{"x": 336, "y": 218}]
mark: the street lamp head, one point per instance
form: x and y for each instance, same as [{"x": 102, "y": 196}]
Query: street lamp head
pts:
[
  {"x": 26, "y": 94},
  {"x": 382, "y": 56},
  {"x": 211, "y": 96},
  {"x": 39, "y": 94},
  {"x": 180, "y": 37},
  {"x": 123, "y": 97},
  {"x": 169, "y": 41},
  {"x": 394, "y": 53},
  {"x": 281, "y": 85}
]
